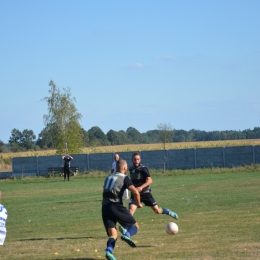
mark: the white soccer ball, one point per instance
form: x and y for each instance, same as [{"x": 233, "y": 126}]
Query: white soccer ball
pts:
[{"x": 171, "y": 228}]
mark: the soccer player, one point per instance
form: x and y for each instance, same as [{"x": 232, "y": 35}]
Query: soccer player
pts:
[
  {"x": 3, "y": 217},
  {"x": 141, "y": 178},
  {"x": 113, "y": 170},
  {"x": 114, "y": 211}
]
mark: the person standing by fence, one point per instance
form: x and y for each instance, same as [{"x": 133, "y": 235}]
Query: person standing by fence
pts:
[
  {"x": 67, "y": 158},
  {"x": 3, "y": 217}
]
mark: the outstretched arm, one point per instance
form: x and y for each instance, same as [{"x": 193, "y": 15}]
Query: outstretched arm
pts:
[
  {"x": 136, "y": 195},
  {"x": 147, "y": 183}
]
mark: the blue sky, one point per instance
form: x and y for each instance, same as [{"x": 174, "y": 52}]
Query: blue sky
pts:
[{"x": 192, "y": 64}]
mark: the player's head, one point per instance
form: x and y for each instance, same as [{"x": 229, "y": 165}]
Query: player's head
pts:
[
  {"x": 136, "y": 159},
  {"x": 116, "y": 157},
  {"x": 121, "y": 166}
]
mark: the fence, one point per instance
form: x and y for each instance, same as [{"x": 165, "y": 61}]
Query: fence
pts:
[{"x": 157, "y": 159}]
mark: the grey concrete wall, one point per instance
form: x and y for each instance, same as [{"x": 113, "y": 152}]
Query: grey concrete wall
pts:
[
  {"x": 256, "y": 150},
  {"x": 181, "y": 159},
  {"x": 157, "y": 159},
  {"x": 5, "y": 175},
  {"x": 208, "y": 157},
  {"x": 238, "y": 156}
]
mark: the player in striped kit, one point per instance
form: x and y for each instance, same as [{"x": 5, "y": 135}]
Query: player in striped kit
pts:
[{"x": 3, "y": 217}]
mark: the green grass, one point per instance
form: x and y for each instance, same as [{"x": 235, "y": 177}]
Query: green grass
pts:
[{"x": 218, "y": 217}]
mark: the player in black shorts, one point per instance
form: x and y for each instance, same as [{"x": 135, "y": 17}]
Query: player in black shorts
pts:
[
  {"x": 141, "y": 178},
  {"x": 114, "y": 211}
]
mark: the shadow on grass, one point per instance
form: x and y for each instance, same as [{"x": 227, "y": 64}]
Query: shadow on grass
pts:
[
  {"x": 74, "y": 202},
  {"x": 144, "y": 246},
  {"x": 57, "y": 238},
  {"x": 77, "y": 259}
]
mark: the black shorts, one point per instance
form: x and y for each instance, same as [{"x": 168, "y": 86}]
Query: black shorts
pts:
[
  {"x": 146, "y": 198},
  {"x": 115, "y": 212}
]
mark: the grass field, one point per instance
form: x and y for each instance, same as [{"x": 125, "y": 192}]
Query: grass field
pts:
[{"x": 218, "y": 217}]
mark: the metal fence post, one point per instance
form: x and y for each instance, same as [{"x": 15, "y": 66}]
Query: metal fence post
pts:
[
  {"x": 253, "y": 150},
  {"x": 224, "y": 158},
  {"x": 195, "y": 159},
  {"x": 37, "y": 165}
]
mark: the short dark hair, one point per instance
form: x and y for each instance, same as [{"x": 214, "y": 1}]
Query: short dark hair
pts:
[
  {"x": 120, "y": 165},
  {"x": 136, "y": 153}
]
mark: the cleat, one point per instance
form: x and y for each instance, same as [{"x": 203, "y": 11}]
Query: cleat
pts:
[
  {"x": 122, "y": 230},
  {"x": 173, "y": 214},
  {"x": 110, "y": 256},
  {"x": 128, "y": 240}
]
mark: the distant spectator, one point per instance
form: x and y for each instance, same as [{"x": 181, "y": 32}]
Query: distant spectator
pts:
[{"x": 67, "y": 158}]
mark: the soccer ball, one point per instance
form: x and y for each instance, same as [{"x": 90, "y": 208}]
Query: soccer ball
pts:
[{"x": 171, "y": 228}]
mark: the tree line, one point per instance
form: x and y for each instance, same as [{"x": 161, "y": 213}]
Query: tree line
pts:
[
  {"x": 64, "y": 133},
  {"x": 26, "y": 140}
]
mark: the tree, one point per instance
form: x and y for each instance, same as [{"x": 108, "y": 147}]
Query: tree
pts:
[
  {"x": 27, "y": 139},
  {"x": 15, "y": 137},
  {"x": 97, "y": 137},
  {"x": 117, "y": 138},
  {"x": 62, "y": 120},
  {"x": 113, "y": 137},
  {"x": 85, "y": 137},
  {"x": 21, "y": 140},
  {"x": 2, "y": 146},
  {"x": 45, "y": 140},
  {"x": 165, "y": 133},
  {"x": 133, "y": 135}
]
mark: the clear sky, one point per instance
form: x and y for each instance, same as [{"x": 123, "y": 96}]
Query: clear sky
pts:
[{"x": 192, "y": 64}]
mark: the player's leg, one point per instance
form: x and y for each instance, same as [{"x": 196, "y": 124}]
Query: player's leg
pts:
[
  {"x": 68, "y": 173},
  {"x": 111, "y": 242},
  {"x": 109, "y": 222},
  {"x": 165, "y": 211},
  {"x": 149, "y": 200},
  {"x": 64, "y": 173},
  {"x": 132, "y": 206},
  {"x": 127, "y": 223}
]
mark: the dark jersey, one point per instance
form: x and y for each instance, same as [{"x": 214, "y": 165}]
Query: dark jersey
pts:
[
  {"x": 66, "y": 162},
  {"x": 114, "y": 187},
  {"x": 138, "y": 176}
]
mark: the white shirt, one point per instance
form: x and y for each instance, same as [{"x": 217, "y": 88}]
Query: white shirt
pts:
[
  {"x": 114, "y": 166},
  {"x": 3, "y": 217}
]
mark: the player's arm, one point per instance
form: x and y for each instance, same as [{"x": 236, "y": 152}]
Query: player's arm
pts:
[
  {"x": 136, "y": 195},
  {"x": 147, "y": 183}
]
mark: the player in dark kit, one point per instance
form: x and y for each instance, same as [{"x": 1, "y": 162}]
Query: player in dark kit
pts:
[
  {"x": 114, "y": 211},
  {"x": 141, "y": 178},
  {"x": 67, "y": 158}
]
